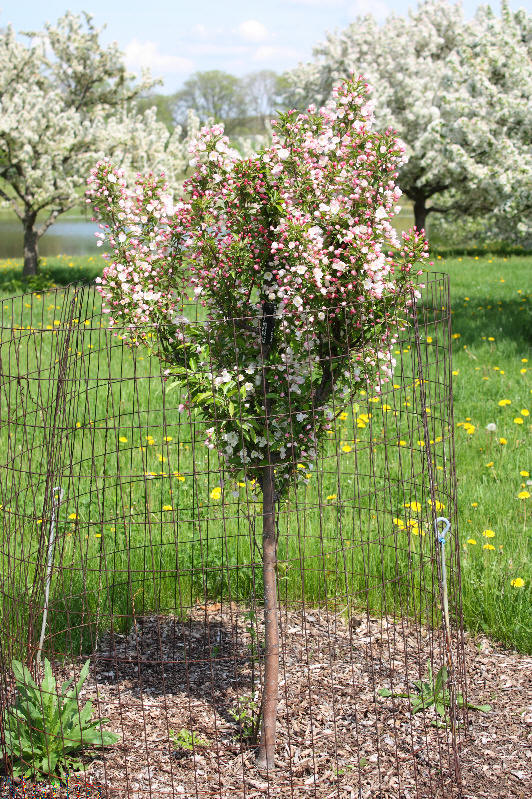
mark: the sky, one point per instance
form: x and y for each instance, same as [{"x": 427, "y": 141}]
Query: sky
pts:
[{"x": 174, "y": 38}]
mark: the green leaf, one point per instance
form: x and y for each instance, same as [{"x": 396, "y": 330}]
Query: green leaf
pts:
[
  {"x": 483, "y": 708},
  {"x": 22, "y": 674},
  {"x": 74, "y": 692},
  {"x": 441, "y": 680}
]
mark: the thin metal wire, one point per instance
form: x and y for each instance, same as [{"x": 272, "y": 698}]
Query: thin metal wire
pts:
[{"x": 156, "y": 574}]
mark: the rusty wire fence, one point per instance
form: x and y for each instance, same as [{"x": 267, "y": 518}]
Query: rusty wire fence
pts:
[{"x": 127, "y": 545}]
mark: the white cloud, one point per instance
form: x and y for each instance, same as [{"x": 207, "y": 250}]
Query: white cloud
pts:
[
  {"x": 200, "y": 30},
  {"x": 268, "y": 52},
  {"x": 251, "y": 30},
  {"x": 213, "y": 49},
  {"x": 146, "y": 54},
  {"x": 377, "y": 8}
]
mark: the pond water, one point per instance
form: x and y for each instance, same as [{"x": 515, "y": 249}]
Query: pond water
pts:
[{"x": 71, "y": 235}]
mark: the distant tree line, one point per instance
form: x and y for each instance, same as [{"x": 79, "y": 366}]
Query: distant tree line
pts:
[{"x": 244, "y": 105}]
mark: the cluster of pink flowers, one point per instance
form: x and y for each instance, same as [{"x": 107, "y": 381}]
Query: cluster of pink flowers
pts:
[{"x": 304, "y": 281}]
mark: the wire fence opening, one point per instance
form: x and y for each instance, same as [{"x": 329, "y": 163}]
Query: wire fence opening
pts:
[{"x": 133, "y": 564}]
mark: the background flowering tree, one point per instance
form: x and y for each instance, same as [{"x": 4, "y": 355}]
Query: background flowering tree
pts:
[
  {"x": 301, "y": 275},
  {"x": 64, "y": 101},
  {"x": 458, "y": 93}
]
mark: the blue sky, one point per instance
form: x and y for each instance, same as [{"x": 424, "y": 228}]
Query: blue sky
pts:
[{"x": 175, "y": 38}]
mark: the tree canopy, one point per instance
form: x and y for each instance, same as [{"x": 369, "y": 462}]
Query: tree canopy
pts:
[
  {"x": 64, "y": 101},
  {"x": 458, "y": 93}
]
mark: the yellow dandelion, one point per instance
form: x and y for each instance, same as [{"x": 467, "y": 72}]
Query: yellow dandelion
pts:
[
  {"x": 346, "y": 448},
  {"x": 331, "y": 497},
  {"x": 502, "y": 441},
  {"x": 474, "y": 504},
  {"x": 73, "y": 516},
  {"x": 518, "y": 420},
  {"x": 524, "y": 473},
  {"x": 429, "y": 339},
  {"x": 524, "y": 495},
  {"x": 525, "y": 412},
  {"x": 471, "y": 541},
  {"x": 438, "y": 505},
  {"x": 402, "y": 443},
  {"x": 489, "y": 465},
  {"x": 399, "y": 523},
  {"x": 488, "y": 546},
  {"x": 123, "y": 440},
  {"x": 517, "y": 582},
  {"x": 216, "y": 493},
  {"x": 504, "y": 402},
  {"x": 167, "y": 507},
  {"x": 490, "y": 338},
  {"x": 168, "y": 438},
  {"x": 179, "y": 476},
  {"x": 488, "y": 534},
  {"x": 343, "y": 416}
]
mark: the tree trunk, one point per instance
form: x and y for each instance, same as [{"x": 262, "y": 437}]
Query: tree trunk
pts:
[
  {"x": 31, "y": 250},
  {"x": 420, "y": 213},
  {"x": 270, "y": 692}
]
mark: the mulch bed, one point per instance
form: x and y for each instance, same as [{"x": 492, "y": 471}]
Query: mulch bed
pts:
[{"x": 336, "y": 736}]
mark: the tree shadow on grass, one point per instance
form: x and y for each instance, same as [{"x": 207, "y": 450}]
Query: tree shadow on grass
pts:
[
  {"x": 13, "y": 282},
  {"x": 509, "y": 320}
]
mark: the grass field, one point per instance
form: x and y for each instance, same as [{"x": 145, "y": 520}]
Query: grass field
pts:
[{"x": 349, "y": 547}]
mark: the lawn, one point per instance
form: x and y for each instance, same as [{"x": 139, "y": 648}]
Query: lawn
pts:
[
  {"x": 356, "y": 545},
  {"x": 492, "y": 320}
]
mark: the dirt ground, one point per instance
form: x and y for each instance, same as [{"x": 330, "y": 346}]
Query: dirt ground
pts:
[{"x": 337, "y": 737}]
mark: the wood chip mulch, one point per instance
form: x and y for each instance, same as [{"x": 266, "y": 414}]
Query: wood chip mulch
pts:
[{"x": 337, "y": 737}]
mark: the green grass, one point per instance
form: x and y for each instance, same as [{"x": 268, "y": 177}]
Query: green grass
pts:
[
  {"x": 125, "y": 499},
  {"x": 492, "y": 358},
  {"x": 59, "y": 270}
]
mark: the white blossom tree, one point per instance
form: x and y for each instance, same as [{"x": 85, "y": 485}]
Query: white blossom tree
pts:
[
  {"x": 64, "y": 101},
  {"x": 458, "y": 93}
]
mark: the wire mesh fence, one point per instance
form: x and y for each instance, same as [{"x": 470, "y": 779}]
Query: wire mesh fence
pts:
[{"x": 128, "y": 546}]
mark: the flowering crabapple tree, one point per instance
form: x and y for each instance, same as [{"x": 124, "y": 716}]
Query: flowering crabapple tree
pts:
[
  {"x": 300, "y": 273},
  {"x": 458, "y": 93},
  {"x": 65, "y": 101}
]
